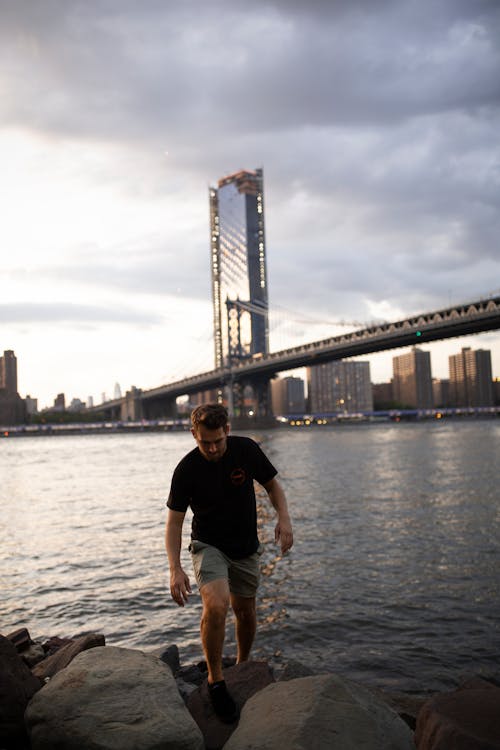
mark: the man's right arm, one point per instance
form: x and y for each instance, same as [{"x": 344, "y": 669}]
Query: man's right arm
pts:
[{"x": 180, "y": 587}]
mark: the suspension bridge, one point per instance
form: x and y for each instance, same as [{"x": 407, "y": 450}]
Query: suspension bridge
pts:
[{"x": 456, "y": 320}]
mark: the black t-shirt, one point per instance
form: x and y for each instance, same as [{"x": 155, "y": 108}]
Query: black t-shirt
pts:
[{"x": 221, "y": 495}]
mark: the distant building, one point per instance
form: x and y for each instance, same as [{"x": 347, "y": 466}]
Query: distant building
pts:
[
  {"x": 60, "y": 402},
  {"x": 441, "y": 392},
  {"x": 412, "y": 379},
  {"x": 90, "y": 402},
  {"x": 31, "y": 405},
  {"x": 12, "y": 406},
  {"x": 288, "y": 396},
  {"x": 76, "y": 405},
  {"x": 340, "y": 386},
  {"x": 382, "y": 396},
  {"x": 117, "y": 391},
  {"x": 496, "y": 391},
  {"x": 471, "y": 382},
  {"x": 8, "y": 372},
  {"x": 238, "y": 264}
]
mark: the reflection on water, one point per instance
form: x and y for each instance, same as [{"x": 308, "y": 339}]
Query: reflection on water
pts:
[{"x": 393, "y": 578}]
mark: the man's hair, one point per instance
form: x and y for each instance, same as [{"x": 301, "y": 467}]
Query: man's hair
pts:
[{"x": 211, "y": 416}]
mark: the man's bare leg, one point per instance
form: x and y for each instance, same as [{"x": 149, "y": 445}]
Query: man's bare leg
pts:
[
  {"x": 246, "y": 624},
  {"x": 215, "y": 598}
]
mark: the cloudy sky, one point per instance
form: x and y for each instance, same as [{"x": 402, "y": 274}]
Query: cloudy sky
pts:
[{"x": 377, "y": 124}]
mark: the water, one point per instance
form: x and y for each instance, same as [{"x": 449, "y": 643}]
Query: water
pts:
[{"x": 394, "y": 579}]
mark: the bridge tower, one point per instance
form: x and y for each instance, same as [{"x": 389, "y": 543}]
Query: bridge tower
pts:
[
  {"x": 238, "y": 265},
  {"x": 239, "y": 276}
]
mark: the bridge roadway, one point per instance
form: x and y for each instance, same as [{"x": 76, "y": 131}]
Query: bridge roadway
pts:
[{"x": 458, "y": 320}]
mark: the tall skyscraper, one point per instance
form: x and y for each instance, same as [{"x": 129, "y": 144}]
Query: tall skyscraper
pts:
[
  {"x": 471, "y": 382},
  {"x": 340, "y": 386},
  {"x": 412, "y": 379},
  {"x": 238, "y": 264}
]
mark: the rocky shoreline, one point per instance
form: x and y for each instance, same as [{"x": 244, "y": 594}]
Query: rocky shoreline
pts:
[{"x": 79, "y": 694}]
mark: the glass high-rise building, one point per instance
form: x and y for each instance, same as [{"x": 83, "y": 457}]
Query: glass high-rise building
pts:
[{"x": 238, "y": 264}]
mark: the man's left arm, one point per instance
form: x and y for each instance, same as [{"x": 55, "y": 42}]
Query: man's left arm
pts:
[{"x": 283, "y": 530}]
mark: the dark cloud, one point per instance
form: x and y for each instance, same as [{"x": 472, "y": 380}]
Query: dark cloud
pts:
[
  {"x": 376, "y": 122},
  {"x": 156, "y": 70}
]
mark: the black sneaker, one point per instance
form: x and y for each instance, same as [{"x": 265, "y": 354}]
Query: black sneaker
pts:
[{"x": 223, "y": 705}]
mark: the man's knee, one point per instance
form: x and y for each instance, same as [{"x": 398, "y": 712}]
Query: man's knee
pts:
[
  {"x": 215, "y": 611},
  {"x": 215, "y": 601}
]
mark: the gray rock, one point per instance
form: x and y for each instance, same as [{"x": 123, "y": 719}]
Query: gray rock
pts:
[
  {"x": 112, "y": 698},
  {"x": 314, "y": 713}
]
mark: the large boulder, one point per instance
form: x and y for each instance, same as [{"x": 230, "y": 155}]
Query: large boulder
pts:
[
  {"x": 313, "y": 713},
  {"x": 17, "y": 686},
  {"x": 464, "y": 719},
  {"x": 112, "y": 698}
]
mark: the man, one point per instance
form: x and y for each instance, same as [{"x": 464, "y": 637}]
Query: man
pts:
[{"x": 216, "y": 481}]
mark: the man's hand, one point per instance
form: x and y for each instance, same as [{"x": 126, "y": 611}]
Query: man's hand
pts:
[
  {"x": 283, "y": 533},
  {"x": 180, "y": 588}
]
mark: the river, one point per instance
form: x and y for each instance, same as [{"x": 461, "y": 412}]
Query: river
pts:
[{"x": 394, "y": 578}]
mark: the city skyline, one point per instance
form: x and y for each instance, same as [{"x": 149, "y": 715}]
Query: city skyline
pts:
[
  {"x": 338, "y": 386},
  {"x": 377, "y": 127}
]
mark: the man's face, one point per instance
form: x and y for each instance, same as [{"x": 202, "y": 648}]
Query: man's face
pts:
[{"x": 212, "y": 443}]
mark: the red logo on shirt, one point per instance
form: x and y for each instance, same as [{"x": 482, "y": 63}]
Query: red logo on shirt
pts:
[{"x": 238, "y": 476}]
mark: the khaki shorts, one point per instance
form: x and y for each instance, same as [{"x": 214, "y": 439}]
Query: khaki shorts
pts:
[{"x": 210, "y": 564}]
